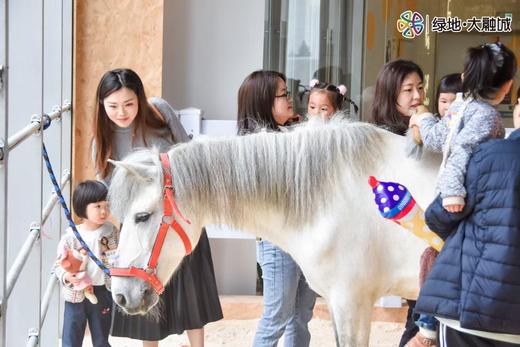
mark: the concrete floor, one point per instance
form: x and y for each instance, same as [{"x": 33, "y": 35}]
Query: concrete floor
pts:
[{"x": 241, "y": 314}]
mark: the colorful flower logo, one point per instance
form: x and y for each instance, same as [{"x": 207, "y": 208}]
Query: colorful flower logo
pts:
[{"x": 410, "y": 24}]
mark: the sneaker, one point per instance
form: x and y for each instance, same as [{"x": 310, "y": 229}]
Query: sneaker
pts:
[{"x": 419, "y": 340}]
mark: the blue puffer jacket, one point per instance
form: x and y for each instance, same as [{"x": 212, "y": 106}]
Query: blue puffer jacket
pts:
[{"x": 476, "y": 277}]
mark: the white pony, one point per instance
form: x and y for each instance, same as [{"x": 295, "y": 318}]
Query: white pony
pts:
[{"x": 305, "y": 191}]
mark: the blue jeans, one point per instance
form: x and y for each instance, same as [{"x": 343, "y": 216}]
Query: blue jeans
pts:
[
  {"x": 427, "y": 322},
  {"x": 99, "y": 317},
  {"x": 288, "y": 300}
]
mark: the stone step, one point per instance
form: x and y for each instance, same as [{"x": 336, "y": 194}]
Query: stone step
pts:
[{"x": 243, "y": 307}]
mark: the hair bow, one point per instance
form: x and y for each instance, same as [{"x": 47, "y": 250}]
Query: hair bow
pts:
[
  {"x": 342, "y": 89},
  {"x": 313, "y": 83}
]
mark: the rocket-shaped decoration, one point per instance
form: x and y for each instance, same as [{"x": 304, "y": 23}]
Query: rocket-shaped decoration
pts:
[{"x": 396, "y": 203}]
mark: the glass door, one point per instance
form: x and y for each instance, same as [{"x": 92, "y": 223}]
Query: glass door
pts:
[{"x": 307, "y": 39}]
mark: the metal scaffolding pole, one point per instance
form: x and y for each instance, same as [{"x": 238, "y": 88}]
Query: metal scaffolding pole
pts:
[
  {"x": 51, "y": 286},
  {"x": 65, "y": 178},
  {"x": 35, "y": 126},
  {"x": 34, "y": 234},
  {"x": 34, "y": 334},
  {"x": 32, "y": 341},
  {"x": 19, "y": 262},
  {"x": 4, "y": 61},
  {"x": 23, "y": 308}
]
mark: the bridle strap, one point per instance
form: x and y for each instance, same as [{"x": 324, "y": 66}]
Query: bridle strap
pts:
[
  {"x": 168, "y": 189},
  {"x": 140, "y": 273},
  {"x": 182, "y": 234},
  {"x": 169, "y": 203},
  {"x": 157, "y": 246},
  {"x": 150, "y": 273}
]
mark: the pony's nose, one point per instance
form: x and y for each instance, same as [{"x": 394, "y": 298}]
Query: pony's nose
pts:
[{"x": 120, "y": 300}]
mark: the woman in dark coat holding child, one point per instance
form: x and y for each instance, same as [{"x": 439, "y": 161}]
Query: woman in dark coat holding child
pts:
[{"x": 474, "y": 286}]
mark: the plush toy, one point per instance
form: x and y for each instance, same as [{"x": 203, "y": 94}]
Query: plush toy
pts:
[
  {"x": 75, "y": 262},
  {"x": 396, "y": 203}
]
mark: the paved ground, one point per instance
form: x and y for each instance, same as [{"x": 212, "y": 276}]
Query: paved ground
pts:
[
  {"x": 239, "y": 333},
  {"x": 241, "y": 314}
]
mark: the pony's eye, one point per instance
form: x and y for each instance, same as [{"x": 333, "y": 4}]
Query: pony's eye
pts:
[{"x": 141, "y": 217}]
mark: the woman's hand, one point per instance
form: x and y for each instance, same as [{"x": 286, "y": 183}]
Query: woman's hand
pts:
[
  {"x": 420, "y": 113},
  {"x": 414, "y": 121},
  {"x": 421, "y": 109}
]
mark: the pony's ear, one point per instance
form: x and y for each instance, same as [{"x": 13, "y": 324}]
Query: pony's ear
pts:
[{"x": 142, "y": 172}]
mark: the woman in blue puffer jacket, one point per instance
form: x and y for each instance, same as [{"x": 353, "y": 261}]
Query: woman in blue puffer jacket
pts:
[{"x": 474, "y": 286}]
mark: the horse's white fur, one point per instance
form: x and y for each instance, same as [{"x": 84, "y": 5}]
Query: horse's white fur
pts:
[{"x": 306, "y": 191}]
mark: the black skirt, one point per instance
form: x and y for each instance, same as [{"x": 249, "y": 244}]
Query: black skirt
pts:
[{"x": 189, "y": 301}]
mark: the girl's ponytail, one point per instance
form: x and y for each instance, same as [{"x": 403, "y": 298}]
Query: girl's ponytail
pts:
[{"x": 487, "y": 68}]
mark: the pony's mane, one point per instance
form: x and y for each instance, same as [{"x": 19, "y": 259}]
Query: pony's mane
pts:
[{"x": 292, "y": 173}]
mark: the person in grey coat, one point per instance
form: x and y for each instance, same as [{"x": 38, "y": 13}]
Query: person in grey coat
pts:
[{"x": 472, "y": 118}]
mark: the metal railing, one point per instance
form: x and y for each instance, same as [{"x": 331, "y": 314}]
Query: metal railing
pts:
[
  {"x": 38, "y": 123},
  {"x": 46, "y": 212},
  {"x": 34, "y": 235},
  {"x": 34, "y": 333}
]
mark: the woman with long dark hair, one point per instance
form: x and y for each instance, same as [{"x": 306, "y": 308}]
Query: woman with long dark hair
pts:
[
  {"x": 264, "y": 102},
  {"x": 125, "y": 120},
  {"x": 399, "y": 91}
]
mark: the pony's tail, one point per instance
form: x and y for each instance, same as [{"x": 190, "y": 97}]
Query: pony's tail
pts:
[{"x": 413, "y": 148}]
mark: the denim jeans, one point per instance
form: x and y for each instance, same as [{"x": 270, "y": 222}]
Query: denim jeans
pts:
[
  {"x": 427, "y": 322},
  {"x": 99, "y": 317},
  {"x": 288, "y": 300}
]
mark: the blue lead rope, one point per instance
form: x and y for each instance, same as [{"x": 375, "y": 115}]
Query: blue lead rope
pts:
[{"x": 67, "y": 213}]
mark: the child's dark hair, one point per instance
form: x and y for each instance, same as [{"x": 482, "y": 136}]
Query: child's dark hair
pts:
[
  {"x": 335, "y": 94},
  {"x": 487, "y": 68},
  {"x": 451, "y": 83},
  {"x": 87, "y": 192}
]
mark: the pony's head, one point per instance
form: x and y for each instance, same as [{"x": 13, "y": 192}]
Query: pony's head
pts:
[{"x": 136, "y": 200}]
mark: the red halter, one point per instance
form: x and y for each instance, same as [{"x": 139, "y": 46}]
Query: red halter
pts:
[{"x": 150, "y": 273}]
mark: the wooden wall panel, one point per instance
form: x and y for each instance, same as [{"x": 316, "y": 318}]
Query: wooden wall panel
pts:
[{"x": 109, "y": 35}]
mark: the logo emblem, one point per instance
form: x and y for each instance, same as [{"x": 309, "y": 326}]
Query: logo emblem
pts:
[{"x": 410, "y": 24}]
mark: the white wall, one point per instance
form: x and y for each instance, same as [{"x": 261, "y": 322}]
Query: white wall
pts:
[{"x": 209, "y": 48}]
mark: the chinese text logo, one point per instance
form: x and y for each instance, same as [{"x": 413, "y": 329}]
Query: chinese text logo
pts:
[{"x": 411, "y": 24}]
